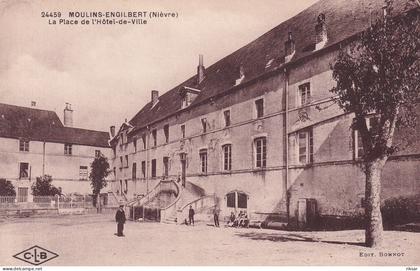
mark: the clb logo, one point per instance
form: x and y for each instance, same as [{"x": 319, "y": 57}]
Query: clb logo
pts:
[{"x": 36, "y": 255}]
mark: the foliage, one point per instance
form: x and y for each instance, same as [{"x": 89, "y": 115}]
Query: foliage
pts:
[
  {"x": 7, "y": 188},
  {"x": 378, "y": 79},
  {"x": 43, "y": 187},
  {"x": 400, "y": 210},
  {"x": 99, "y": 170},
  {"x": 380, "y": 74}
]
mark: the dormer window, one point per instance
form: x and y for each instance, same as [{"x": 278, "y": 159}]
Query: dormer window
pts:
[
  {"x": 241, "y": 76},
  {"x": 188, "y": 95},
  {"x": 320, "y": 32},
  {"x": 204, "y": 125},
  {"x": 289, "y": 47}
]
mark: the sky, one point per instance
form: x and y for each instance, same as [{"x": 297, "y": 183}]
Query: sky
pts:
[{"x": 106, "y": 72}]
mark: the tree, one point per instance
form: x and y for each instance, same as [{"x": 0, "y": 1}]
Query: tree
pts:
[
  {"x": 99, "y": 170},
  {"x": 7, "y": 188},
  {"x": 43, "y": 187},
  {"x": 378, "y": 77}
]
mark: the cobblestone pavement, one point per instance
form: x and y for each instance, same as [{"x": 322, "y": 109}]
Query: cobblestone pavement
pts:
[{"x": 90, "y": 240}]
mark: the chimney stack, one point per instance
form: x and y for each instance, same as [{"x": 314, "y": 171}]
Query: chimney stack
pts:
[
  {"x": 112, "y": 131},
  {"x": 155, "y": 97},
  {"x": 320, "y": 32},
  {"x": 68, "y": 116},
  {"x": 289, "y": 48},
  {"x": 200, "y": 70}
]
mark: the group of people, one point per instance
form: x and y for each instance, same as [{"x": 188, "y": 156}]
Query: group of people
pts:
[{"x": 240, "y": 221}]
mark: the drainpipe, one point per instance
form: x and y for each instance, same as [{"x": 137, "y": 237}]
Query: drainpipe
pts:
[
  {"x": 147, "y": 160},
  {"x": 43, "y": 158},
  {"x": 286, "y": 140}
]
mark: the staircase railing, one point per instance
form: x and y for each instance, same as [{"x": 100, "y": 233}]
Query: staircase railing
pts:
[
  {"x": 163, "y": 185},
  {"x": 171, "y": 210},
  {"x": 205, "y": 203}
]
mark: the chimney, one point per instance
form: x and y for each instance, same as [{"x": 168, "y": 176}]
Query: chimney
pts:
[
  {"x": 200, "y": 70},
  {"x": 112, "y": 131},
  {"x": 289, "y": 48},
  {"x": 155, "y": 97},
  {"x": 320, "y": 32},
  {"x": 33, "y": 104},
  {"x": 68, "y": 116}
]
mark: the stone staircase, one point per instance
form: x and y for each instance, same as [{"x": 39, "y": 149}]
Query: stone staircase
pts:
[{"x": 189, "y": 193}]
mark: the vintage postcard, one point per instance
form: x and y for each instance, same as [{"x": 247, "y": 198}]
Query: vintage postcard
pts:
[{"x": 209, "y": 133}]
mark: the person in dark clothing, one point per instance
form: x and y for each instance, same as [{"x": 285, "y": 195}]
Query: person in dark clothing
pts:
[
  {"x": 191, "y": 215},
  {"x": 120, "y": 218},
  {"x": 216, "y": 217}
]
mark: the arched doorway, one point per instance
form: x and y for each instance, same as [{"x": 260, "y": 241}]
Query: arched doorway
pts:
[{"x": 236, "y": 201}]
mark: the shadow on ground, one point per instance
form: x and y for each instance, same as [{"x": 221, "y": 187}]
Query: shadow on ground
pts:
[{"x": 291, "y": 237}]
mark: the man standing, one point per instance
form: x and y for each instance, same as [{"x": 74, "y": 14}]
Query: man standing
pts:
[
  {"x": 191, "y": 215},
  {"x": 216, "y": 217},
  {"x": 120, "y": 218}
]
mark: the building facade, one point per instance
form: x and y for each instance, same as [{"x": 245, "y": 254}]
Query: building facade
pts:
[
  {"x": 259, "y": 129},
  {"x": 34, "y": 142}
]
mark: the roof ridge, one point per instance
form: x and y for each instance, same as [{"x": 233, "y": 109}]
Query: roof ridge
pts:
[{"x": 28, "y": 107}]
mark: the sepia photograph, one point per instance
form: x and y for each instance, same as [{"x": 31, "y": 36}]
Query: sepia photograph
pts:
[{"x": 209, "y": 133}]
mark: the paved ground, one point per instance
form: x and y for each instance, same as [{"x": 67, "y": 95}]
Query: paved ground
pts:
[{"x": 90, "y": 240}]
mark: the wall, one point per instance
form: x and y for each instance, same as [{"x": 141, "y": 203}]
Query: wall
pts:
[{"x": 63, "y": 168}]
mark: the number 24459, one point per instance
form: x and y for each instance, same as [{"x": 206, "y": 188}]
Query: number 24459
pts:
[{"x": 51, "y": 14}]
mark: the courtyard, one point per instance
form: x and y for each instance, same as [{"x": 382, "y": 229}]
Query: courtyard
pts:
[{"x": 90, "y": 240}]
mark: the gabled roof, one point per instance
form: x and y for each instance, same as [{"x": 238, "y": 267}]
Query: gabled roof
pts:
[
  {"x": 39, "y": 125},
  {"x": 344, "y": 18}
]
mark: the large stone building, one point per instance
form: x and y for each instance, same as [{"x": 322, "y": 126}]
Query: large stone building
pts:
[
  {"x": 259, "y": 128},
  {"x": 34, "y": 142}
]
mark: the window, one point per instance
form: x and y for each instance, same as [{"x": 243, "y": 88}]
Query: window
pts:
[
  {"x": 227, "y": 157},
  {"x": 114, "y": 151},
  {"x": 204, "y": 124},
  {"x": 23, "y": 170},
  {"x": 226, "y": 116},
  {"x": 143, "y": 138},
  {"x": 203, "y": 161},
  {"x": 24, "y": 145},
  {"x": 135, "y": 145},
  {"x": 154, "y": 135},
  {"x": 83, "y": 172},
  {"x": 97, "y": 153},
  {"x": 242, "y": 200},
  {"x": 165, "y": 166},
  {"x": 153, "y": 168},
  {"x": 121, "y": 162},
  {"x": 305, "y": 147},
  {"x": 143, "y": 169},
  {"x": 237, "y": 199},
  {"x": 126, "y": 161},
  {"x": 68, "y": 149},
  {"x": 304, "y": 94},
  {"x": 260, "y": 152},
  {"x": 166, "y": 132},
  {"x": 134, "y": 172},
  {"x": 358, "y": 150},
  {"x": 126, "y": 187},
  {"x": 231, "y": 200},
  {"x": 358, "y": 145},
  {"x": 183, "y": 130},
  {"x": 259, "y": 108}
]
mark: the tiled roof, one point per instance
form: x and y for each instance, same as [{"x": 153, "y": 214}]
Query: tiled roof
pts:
[
  {"x": 40, "y": 125},
  {"x": 344, "y": 18}
]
